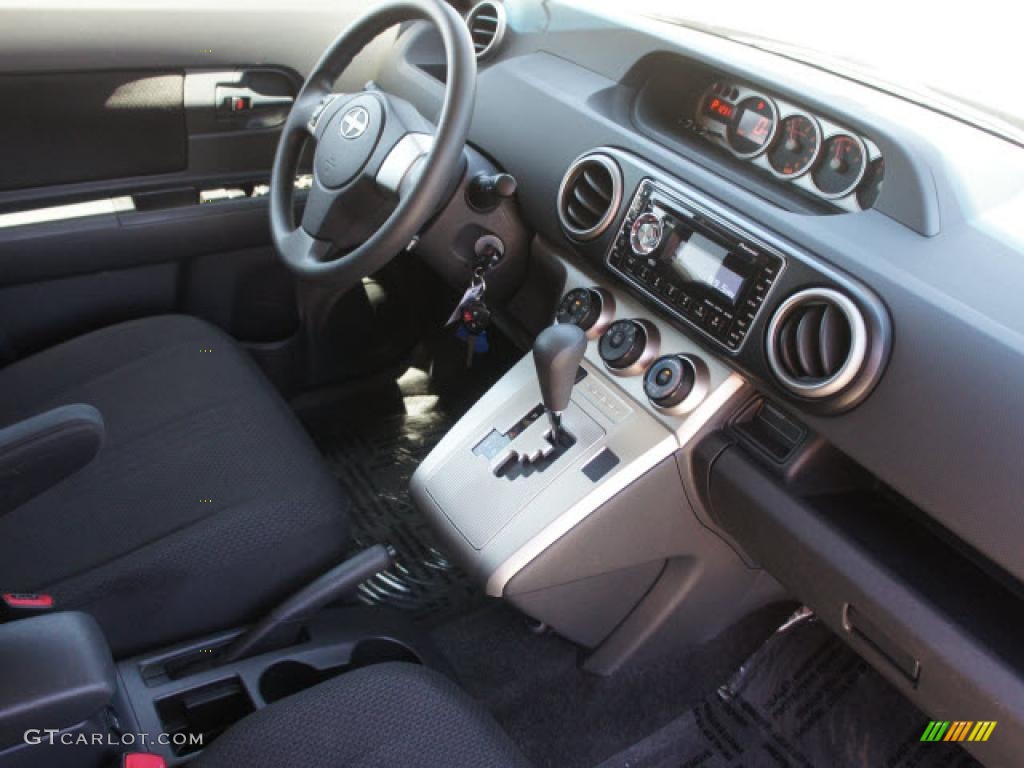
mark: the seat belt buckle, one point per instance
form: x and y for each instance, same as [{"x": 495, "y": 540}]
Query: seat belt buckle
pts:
[
  {"x": 18, "y": 605},
  {"x": 142, "y": 760}
]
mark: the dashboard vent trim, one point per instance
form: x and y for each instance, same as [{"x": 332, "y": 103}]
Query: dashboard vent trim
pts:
[
  {"x": 589, "y": 196},
  {"x": 817, "y": 343},
  {"x": 486, "y": 22}
]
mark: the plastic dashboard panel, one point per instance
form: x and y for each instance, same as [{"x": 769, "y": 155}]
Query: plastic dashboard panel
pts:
[
  {"x": 801, "y": 270},
  {"x": 933, "y": 623},
  {"x": 566, "y": 82}
]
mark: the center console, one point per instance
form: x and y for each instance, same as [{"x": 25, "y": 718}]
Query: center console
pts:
[{"x": 579, "y": 532}]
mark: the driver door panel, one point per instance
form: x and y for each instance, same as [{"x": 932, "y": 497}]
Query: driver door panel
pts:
[{"x": 135, "y": 149}]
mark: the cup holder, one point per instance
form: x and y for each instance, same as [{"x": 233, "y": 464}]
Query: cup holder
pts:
[
  {"x": 285, "y": 678},
  {"x": 377, "y": 650}
]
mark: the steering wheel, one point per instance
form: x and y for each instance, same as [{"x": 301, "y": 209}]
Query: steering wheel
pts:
[{"x": 380, "y": 170}]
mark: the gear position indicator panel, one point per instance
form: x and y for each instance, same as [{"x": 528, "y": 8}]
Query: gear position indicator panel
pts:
[{"x": 698, "y": 267}]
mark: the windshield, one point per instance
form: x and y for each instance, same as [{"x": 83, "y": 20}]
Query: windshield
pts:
[{"x": 962, "y": 59}]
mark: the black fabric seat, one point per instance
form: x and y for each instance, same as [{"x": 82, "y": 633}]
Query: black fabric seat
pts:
[
  {"x": 396, "y": 715},
  {"x": 206, "y": 504}
]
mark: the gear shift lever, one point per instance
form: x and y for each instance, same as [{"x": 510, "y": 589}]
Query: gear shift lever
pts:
[{"x": 557, "y": 353}]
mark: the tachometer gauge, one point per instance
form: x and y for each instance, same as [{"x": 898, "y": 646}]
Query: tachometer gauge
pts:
[
  {"x": 841, "y": 166},
  {"x": 795, "y": 147},
  {"x": 752, "y": 127}
]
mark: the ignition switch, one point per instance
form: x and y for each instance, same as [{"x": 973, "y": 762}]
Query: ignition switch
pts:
[{"x": 487, "y": 252}]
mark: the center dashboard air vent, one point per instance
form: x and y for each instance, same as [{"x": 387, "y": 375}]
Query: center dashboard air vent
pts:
[
  {"x": 589, "y": 196},
  {"x": 817, "y": 343},
  {"x": 486, "y": 22}
]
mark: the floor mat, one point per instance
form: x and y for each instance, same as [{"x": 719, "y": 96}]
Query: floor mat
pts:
[
  {"x": 803, "y": 700},
  {"x": 373, "y": 436},
  {"x": 562, "y": 717}
]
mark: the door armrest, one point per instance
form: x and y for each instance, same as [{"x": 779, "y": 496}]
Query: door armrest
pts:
[{"x": 40, "y": 451}]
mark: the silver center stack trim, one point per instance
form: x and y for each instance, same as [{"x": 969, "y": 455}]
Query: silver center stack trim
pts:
[
  {"x": 618, "y": 482},
  {"x": 494, "y": 537}
]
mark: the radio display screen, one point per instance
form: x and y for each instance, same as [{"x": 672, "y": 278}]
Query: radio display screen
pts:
[{"x": 701, "y": 260}]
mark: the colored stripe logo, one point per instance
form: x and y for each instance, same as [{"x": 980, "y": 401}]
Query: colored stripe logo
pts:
[{"x": 958, "y": 730}]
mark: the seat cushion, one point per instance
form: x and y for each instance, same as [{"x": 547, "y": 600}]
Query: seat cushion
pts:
[
  {"x": 394, "y": 714},
  {"x": 205, "y": 505}
]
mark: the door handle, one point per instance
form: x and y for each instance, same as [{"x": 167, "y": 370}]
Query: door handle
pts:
[{"x": 234, "y": 99}]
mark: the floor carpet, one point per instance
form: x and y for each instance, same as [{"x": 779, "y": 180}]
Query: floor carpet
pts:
[
  {"x": 562, "y": 717},
  {"x": 803, "y": 700},
  {"x": 373, "y": 434}
]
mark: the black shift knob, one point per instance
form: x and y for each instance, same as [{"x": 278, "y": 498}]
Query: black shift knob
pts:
[{"x": 557, "y": 353}]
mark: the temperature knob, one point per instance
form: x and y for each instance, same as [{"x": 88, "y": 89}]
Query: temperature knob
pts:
[
  {"x": 646, "y": 234},
  {"x": 670, "y": 380},
  {"x": 623, "y": 343}
]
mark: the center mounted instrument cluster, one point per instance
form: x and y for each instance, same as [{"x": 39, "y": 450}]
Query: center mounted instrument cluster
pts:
[{"x": 793, "y": 144}]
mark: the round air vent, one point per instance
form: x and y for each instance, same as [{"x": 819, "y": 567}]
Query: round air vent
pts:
[
  {"x": 817, "y": 342},
  {"x": 589, "y": 196},
  {"x": 486, "y": 22}
]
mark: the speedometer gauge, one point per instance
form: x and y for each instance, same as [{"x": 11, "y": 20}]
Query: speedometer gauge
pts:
[
  {"x": 795, "y": 147},
  {"x": 841, "y": 166}
]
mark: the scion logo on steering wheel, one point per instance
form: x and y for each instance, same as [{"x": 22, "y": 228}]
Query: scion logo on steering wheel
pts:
[{"x": 355, "y": 122}]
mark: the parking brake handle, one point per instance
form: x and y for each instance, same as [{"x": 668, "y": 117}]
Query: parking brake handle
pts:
[{"x": 341, "y": 580}]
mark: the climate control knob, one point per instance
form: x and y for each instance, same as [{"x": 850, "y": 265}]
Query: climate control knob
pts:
[
  {"x": 670, "y": 380},
  {"x": 580, "y": 306},
  {"x": 623, "y": 344}
]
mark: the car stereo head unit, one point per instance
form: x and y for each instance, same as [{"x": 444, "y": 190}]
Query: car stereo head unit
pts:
[{"x": 700, "y": 268}]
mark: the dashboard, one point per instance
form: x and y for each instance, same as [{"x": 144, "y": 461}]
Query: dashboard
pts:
[{"x": 855, "y": 257}]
